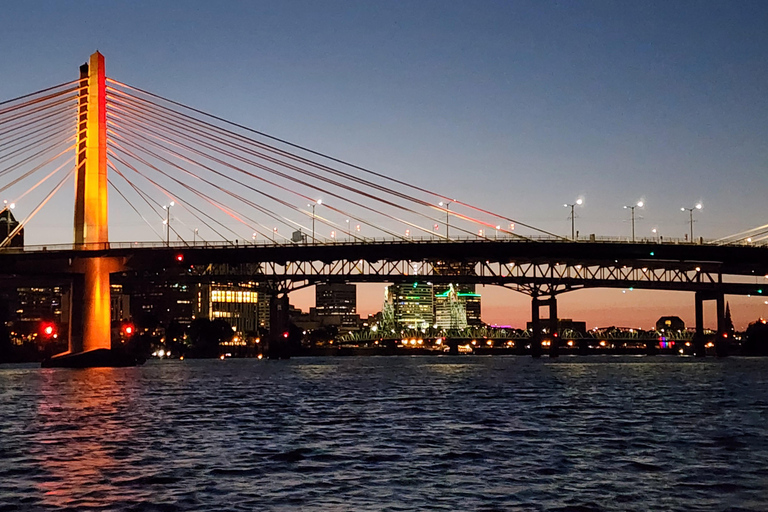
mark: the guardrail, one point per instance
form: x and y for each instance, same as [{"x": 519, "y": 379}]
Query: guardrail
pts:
[{"x": 230, "y": 244}]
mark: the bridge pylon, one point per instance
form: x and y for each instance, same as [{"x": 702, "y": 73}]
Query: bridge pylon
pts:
[{"x": 90, "y": 319}]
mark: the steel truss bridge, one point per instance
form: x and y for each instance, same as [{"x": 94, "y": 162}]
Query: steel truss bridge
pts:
[{"x": 542, "y": 269}]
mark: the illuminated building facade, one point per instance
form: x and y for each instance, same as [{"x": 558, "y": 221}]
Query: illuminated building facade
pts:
[
  {"x": 456, "y": 306},
  {"x": 411, "y": 305},
  {"x": 120, "y": 303},
  {"x": 238, "y": 305},
  {"x": 35, "y": 304}
]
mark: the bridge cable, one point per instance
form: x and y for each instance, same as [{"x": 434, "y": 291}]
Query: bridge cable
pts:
[
  {"x": 368, "y": 171},
  {"x": 327, "y": 169},
  {"x": 306, "y": 198}
]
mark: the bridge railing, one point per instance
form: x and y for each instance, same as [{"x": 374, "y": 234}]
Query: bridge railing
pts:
[{"x": 229, "y": 244}]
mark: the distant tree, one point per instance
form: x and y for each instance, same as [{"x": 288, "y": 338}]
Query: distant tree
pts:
[
  {"x": 728, "y": 321},
  {"x": 756, "y": 343}
]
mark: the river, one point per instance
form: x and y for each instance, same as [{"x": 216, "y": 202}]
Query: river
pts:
[{"x": 389, "y": 433}]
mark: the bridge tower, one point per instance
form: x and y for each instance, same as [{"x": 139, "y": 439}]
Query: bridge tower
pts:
[{"x": 89, "y": 325}]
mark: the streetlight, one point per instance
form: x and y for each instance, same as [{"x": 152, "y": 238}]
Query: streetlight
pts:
[
  {"x": 253, "y": 237},
  {"x": 349, "y": 235},
  {"x": 578, "y": 202},
  {"x": 632, "y": 209},
  {"x": 274, "y": 234},
  {"x": 194, "y": 238},
  {"x": 168, "y": 223},
  {"x": 497, "y": 231},
  {"x": 690, "y": 212},
  {"x": 655, "y": 232},
  {"x": 447, "y": 205},
  {"x": 316, "y": 203}
]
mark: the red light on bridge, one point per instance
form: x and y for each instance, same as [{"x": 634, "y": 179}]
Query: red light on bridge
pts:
[{"x": 48, "y": 329}]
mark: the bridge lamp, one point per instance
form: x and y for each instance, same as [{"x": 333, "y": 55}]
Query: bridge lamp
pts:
[
  {"x": 168, "y": 223},
  {"x": 498, "y": 227},
  {"x": 313, "y": 205},
  {"x": 447, "y": 206},
  {"x": 578, "y": 202},
  {"x": 690, "y": 213},
  {"x": 639, "y": 204},
  {"x": 253, "y": 237},
  {"x": 274, "y": 233}
]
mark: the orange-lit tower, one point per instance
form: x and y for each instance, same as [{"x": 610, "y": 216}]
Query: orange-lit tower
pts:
[{"x": 91, "y": 330}]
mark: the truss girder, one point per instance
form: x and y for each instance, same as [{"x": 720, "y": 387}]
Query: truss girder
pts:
[{"x": 531, "y": 278}]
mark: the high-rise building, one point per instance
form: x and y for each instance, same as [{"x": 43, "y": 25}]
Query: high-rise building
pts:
[
  {"x": 411, "y": 305},
  {"x": 456, "y": 306},
  {"x": 120, "y": 303},
  {"x": 7, "y": 224},
  {"x": 340, "y": 300},
  {"x": 34, "y": 304},
  {"x": 160, "y": 299},
  {"x": 238, "y": 304}
]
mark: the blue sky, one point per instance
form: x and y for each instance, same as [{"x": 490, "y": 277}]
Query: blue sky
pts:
[{"x": 519, "y": 106}]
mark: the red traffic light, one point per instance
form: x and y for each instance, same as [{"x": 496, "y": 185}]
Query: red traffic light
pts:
[
  {"x": 179, "y": 257},
  {"x": 285, "y": 334},
  {"x": 128, "y": 329}
]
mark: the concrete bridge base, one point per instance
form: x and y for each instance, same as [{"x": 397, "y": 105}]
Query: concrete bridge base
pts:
[{"x": 101, "y": 357}]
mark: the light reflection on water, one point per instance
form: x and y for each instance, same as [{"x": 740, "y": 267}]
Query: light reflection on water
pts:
[{"x": 388, "y": 433}]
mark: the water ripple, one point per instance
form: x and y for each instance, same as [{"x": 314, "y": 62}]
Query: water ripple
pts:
[{"x": 398, "y": 433}]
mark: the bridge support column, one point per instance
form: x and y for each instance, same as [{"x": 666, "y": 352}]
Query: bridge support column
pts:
[
  {"x": 698, "y": 337},
  {"x": 537, "y": 323},
  {"x": 278, "y": 346},
  {"x": 535, "y": 328},
  {"x": 554, "y": 344},
  {"x": 699, "y": 340},
  {"x": 721, "y": 340}
]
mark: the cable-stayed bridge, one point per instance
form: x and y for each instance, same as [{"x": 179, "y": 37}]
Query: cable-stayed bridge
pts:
[{"x": 305, "y": 217}]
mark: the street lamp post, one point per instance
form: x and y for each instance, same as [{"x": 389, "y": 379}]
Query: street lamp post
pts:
[
  {"x": 447, "y": 205},
  {"x": 632, "y": 209},
  {"x": 194, "y": 238},
  {"x": 168, "y": 223},
  {"x": 316, "y": 203},
  {"x": 690, "y": 212},
  {"x": 578, "y": 202}
]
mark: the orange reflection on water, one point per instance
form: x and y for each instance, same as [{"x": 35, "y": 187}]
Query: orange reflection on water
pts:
[{"x": 79, "y": 413}]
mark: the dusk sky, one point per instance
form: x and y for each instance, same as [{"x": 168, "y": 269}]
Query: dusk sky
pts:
[{"x": 516, "y": 106}]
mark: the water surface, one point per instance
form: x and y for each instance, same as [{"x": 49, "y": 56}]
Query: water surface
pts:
[{"x": 388, "y": 433}]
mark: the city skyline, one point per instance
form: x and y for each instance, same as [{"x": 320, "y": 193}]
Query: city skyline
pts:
[{"x": 523, "y": 107}]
